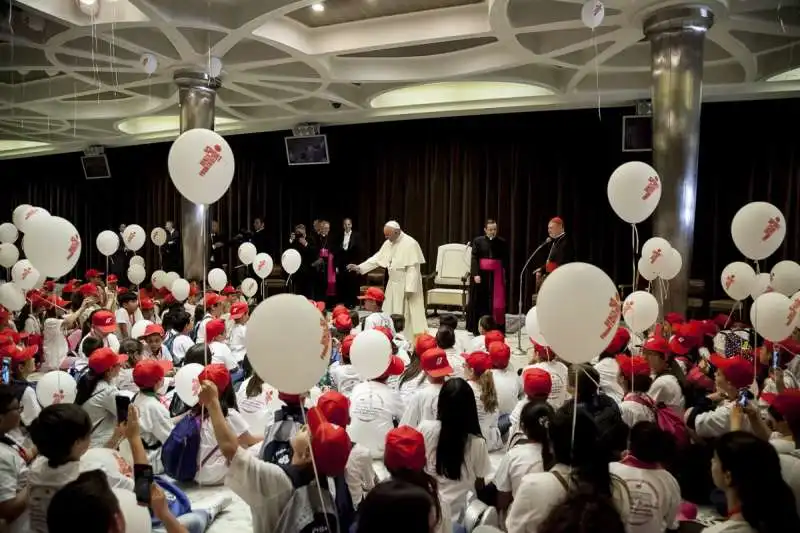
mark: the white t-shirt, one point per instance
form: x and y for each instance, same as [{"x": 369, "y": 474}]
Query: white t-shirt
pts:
[
  {"x": 509, "y": 388},
  {"x": 201, "y": 329},
  {"x": 30, "y": 406},
  {"x": 213, "y": 471},
  {"x": 456, "y": 362},
  {"x": 123, "y": 318},
  {"x": 221, "y": 354},
  {"x": 373, "y": 408},
  {"x": 522, "y": 459},
  {"x": 359, "y": 474},
  {"x": 633, "y": 412},
  {"x": 487, "y": 420},
  {"x": 344, "y": 377},
  {"x": 236, "y": 341},
  {"x": 655, "y": 496},
  {"x": 259, "y": 410},
  {"x": 476, "y": 465},
  {"x": 54, "y": 343},
  {"x": 558, "y": 377},
  {"x": 102, "y": 410},
  {"x": 125, "y": 381},
  {"x": 422, "y": 405},
  {"x": 154, "y": 419},
  {"x": 478, "y": 344},
  {"x": 665, "y": 388},
  {"x": 375, "y": 320},
  {"x": 410, "y": 387},
  {"x": 516, "y": 414},
  {"x": 109, "y": 341},
  {"x": 13, "y": 478},
  {"x": 180, "y": 345},
  {"x": 608, "y": 368},
  {"x": 32, "y": 325}
]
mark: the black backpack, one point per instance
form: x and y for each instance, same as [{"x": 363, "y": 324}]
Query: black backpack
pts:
[
  {"x": 277, "y": 447},
  {"x": 312, "y": 508}
]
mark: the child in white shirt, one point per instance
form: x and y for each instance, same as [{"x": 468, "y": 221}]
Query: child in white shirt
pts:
[
  {"x": 240, "y": 313},
  {"x": 128, "y": 313},
  {"x": 373, "y": 300}
]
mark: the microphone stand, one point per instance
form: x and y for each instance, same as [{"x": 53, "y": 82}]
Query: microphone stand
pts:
[{"x": 521, "y": 278}]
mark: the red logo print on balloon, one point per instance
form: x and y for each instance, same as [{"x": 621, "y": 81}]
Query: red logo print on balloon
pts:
[
  {"x": 74, "y": 244},
  {"x": 651, "y": 187},
  {"x": 195, "y": 387},
  {"x": 598, "y": 7},
  {"x": 773, "y": 225},
  {"x": 655, "y": 255},
  {"x": 131, "y": 235},
  {"x": 27, "y": 271},
  {"x": 613, "y": 316},
  {"x": 261, "y": 264},
  {"x": 729, "y": 279},
  {"x": 58, "y": 396},
  {"x": 627, "y": 307},
  {"x": 326, "y": 337},
  {"x": 30, "y": 213},
  {"x": 793, "y": 311},
  {"x": 210, "y": 158}
]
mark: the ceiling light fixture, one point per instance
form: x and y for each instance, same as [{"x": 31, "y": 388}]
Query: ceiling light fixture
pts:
[
  {"x": 318, "y": 7},
  {"x": 789, "y": 75},
  {"x": 89, "y": 7},
  {"x": 456, "y": 92},
  {"x": 165, "y": 124},
  {"x": 14, "y": 145}
]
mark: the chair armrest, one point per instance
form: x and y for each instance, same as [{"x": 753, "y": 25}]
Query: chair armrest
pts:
[{"x": 427, "y": 280}]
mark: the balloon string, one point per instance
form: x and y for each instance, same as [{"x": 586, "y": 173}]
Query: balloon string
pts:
[
  {"x": 574, "y": 425},
  {"x": 596, "y": 75},
  {"x": 733, "y": 308},
  {"x": 316, "y": 472}
]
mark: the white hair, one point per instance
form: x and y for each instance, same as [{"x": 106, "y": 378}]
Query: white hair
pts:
[{"x": 392, "y": 224}]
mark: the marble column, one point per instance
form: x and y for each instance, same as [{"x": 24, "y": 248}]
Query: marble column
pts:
[
  {"x": 677, "y": 35},
  {"x": 197, "y": 93}
]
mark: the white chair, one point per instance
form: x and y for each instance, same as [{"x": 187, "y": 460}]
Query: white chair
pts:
[{"x": 451, "y": 279}]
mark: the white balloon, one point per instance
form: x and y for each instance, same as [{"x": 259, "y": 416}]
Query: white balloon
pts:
[
  {"x": 262, "y": 265},
  {"x": 134, "y": 237},
  {"x": 785, "y": 277},
  {"x": 217, "y": 279},
  {"x": 11, "y": 296},
  {"x": 794, "y": 307},
  {"x": 249, "y": 287},
  {"x": 592, "y": 13},
  {"x": 170, "y": 278},
  {"x": 579, "y": 310},
  {"x": 215, "y": 66},
  {"x": 56, "y": 387},
  {"x": 158, "y": 278},
  {"x": 532, "y": 327},
  {"x": 180, "y": 289},
  {"x": 18, "y": 216},
  {"x": 53, "y": 246},
  {"x": 640, "y": 311},
  {"x": 672, "y": 266},
  {"x": 25, "y": 275},
  {"x": 655, "y": 252},
  {"x": 9, "y": 254},
  {"x": 307, "y": 347},
  {"x": 738, "y": 279},
  {"x": 137, "y": 260},
  {"x": 758, "y": 229},
  {"x": 137, "y": 330},
  {"x": 201, "y": 165},
  {"x": 107, "y": 243},
  {"x": 370, "y": 353},
  {"x": 158, "y": 236},
  {"x": 290, "y": 260},
  {"x": 772, "y": 317},
  {"x": 760, "y": 285},
  {"x": 634, "y": 191},
  {"x": 149, "y": 63},
  {"x": 136, "y": 274},
  {"x": 8, "y": 232},
  {"x": 30, "y": 213},
  {"x": 187, "y": 386},
  {"x": 645, "y": 269},
  {"x": 247, "y": 253}
]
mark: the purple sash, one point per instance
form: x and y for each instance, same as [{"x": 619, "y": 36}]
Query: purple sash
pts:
[
  {"x": 324, "y": 253},
  {"x": 499, "y": 289}
]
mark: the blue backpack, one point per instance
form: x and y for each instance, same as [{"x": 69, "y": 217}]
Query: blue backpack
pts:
[
  {"x": 177, "y": 500},
  {"x": 180, "y": 454}
]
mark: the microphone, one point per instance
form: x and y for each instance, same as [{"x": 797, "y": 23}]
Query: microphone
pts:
[{"x": 548, "y": 240}]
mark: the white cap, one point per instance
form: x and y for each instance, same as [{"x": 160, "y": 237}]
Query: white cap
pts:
[{"x": 392, "y": 224}]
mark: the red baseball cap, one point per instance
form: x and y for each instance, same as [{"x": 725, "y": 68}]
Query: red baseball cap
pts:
[
  {"x": 318, "y": 305},
  {"x": 212, "y": 299},
  {"x": 153, "y": 329},
  {"x": 147, "y": 303},
  {"x": 238, "y": 310},
  {"x": 148, "y": 372},
  {"x": 786, "y": 403},
  {"x": 373, "y": 293},
  {"x": 721, "y": 320},
  {"x": 347, "y": 342},
  {"x": 405, "y": 449},
  {"x": 493, "y": 336},
  {"x": 424, "y": 343},
  {"x": 214, "y": 328},
  {"x": 330, "y": 444},
  {"x": 537, "y": 382},
  {"x": 737, "y": 370},
  {"x": 88, "y": 289},
  {"x": 674, "y": 318},
  {"x": 193, "y": 290},
  {"x": 336, "y": 407},
  {"x": 338, "y": 310},
  {"x": 104, "y": 321},
  {"x": 104, "y": 359},
  {"x": 434, "y": 363},
  {"x": 217, "y": 374},
  {"x": 112, "y": 278},
  {"x": 656, "y": 344},
  {"x": 123, "y": 290},
  {"x": 621, "y": 339},
  {"x": 709, "y": 328},
  {"x": 633, "y": 366},
  {"x": 55, "y": 300},
  {"x": 544, "y": 352},
  {"x": 68, "y": 288},
  {"x": 289, "y": 398},
  {"x": 680, "y": 345},
  {"x": 342, "y": 322},
  {"x": 17, "y": 354},
  {"x": 228, "y": 289},
  {"x": 479, "y": 362},
  {"x": 49, "y": 285},
  {"x": 500, "y": 352},
  {"x": 395, "y": 368},
  {"x": 93, "y": 273}
]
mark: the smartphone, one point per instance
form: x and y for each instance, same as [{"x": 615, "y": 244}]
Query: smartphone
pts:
[
  {"x": 744, "y": 397},
  {"x": 123, "y": 402},
  {"x": 775, "y": 358},
  {"x": 142, "y": 479},
  {"x": 6, "y": 371}
]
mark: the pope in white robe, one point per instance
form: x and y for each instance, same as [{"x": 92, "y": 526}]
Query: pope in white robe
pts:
[{"x": 401, "y": 256}]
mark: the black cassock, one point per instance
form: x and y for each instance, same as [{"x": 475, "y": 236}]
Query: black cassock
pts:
[
  {"x": 560, "y": 252},
  {"x": 481, "y": 295}
]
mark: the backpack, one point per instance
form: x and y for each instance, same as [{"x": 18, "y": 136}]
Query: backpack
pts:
[
  {"x": 667, "y": 419},
  {"x": 180, "y": 453},
  {"x": 168, "y": 342},
  {"x": 177, "y": 500},
  {"x": 312, "y": 508},
  {"x": 277, "y": 447}
]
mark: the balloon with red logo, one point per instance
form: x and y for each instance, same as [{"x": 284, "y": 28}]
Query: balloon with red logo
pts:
[
  {"x": 134, "y": 237},
  {"x": 262, "y": 265},
  {"x": 645, "y": 269},
  {"x": 25, "y": 214},
  {"x": 634, "y": 191},
  {"x": 760, "y": 285},
  {"x": 186, "y": 385},
  {"x": 785, "y": 277},
  {"x": 247, "y": 253},
  {"x": 25, "y": 275},
  {"x": 8, "y": 232},
  {"x": 738, "y": 279},
  {"x": 772, "y": 316},
  {"x": 758, "y": 230},
  {"x": 53, "y": 245},
  {"x": 56, "y": 387},
  {"x": 180, "y": 289},
  {"x": 159, "y": 236},
  {"x": 640, "y": 311},
  {"x": 672, "y": 265},
  {"x": 655, "y": 252},
  {"x": 579, "y": 310},
  {"x": 18, "y": 215},
  {"x": 201, "y": 165},
  {"x": 217, "y": 279},
  {"x": 249, "y": 287}
]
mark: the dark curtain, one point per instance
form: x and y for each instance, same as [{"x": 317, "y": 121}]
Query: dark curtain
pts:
[{"x": 441, "y": 178}]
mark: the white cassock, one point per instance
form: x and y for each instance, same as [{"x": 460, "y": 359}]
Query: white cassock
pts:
[{"x": 404, "y": 296}]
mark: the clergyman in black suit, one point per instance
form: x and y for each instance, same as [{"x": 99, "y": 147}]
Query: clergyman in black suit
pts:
[
  {"x": 303, "y": 279},
  {"x": 217, "y": 256},
  {"x": 348, "y": 251},
  {"x": 171, "y": 252},
  {"x": 559, "y": 252}
]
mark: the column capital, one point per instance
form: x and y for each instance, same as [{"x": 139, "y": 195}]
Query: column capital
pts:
[
  {"x": 196, "y": 78},
  {"x": 678, "y": 17}
]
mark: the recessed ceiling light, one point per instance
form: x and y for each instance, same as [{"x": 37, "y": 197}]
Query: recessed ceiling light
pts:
[
  {"x": 789, "y": 75},
  {"x": 319, "y": 7},
  {"x": 456, "y": 91},
  {"x": 13, "y": 145},
  {"x": 164, "y": 124}
]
